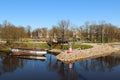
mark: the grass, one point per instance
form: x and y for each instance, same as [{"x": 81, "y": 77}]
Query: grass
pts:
[
  {"x": 45, "y": 46},
  {"x": 31, "y": 45},
  {"x": 6, "y": 48},
  {"x": 74, "y": 46},
  {"x": 82, "y": 46}
]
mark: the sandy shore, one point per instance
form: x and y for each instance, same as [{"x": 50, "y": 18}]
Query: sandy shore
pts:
[{"x": 78, "y": 54}]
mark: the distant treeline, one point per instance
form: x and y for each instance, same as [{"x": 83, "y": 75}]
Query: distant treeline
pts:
[{"x": 95, "y": 32}]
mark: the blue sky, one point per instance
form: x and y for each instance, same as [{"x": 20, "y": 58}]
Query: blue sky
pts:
[{"x": 45, "y": 13}]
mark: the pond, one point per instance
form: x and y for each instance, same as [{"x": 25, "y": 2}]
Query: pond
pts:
[{"x": 103, "y": 68}]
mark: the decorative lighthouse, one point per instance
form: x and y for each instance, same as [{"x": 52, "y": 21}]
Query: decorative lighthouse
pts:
[{"x": 70, "y": 48}]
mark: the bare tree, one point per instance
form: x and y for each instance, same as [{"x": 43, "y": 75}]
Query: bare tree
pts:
[
  {"x": 28, "y": 31},
  {"x": 40, "y": 33},
  {"x": 63, "y": 25},
  {"x": 10, "y": 32},
  {"x": 54, "y": 31},
  {"x": 44, "y": 32},
  {"x": 0, "y": 30}
]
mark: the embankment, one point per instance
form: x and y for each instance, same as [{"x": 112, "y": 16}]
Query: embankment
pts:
[{"x": 78, "y": 54}]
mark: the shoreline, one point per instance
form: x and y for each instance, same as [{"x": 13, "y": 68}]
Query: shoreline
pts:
[{"x": 78, "y": 54}]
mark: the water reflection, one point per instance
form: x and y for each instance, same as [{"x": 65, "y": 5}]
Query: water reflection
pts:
[
  {"x": 65, "y": 71},
  {"x": 73, "y": 71},
  {"x": 101, "y": 64},
  {"x": 73, "y": 74},
  {"x": 8, "y": 64},
  {"x": 53, "y": 69}
]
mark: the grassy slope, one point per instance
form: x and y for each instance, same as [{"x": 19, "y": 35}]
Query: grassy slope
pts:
[{"x": 6, "y": 48}]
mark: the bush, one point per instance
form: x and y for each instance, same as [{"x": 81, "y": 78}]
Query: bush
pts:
[{"x": 4, "y": 48}]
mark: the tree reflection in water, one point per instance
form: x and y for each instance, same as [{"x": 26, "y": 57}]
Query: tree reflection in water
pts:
[
  {"x": 101, "y": 64},
  {"x": 8, "y": 64},
  {"x": 59, "y": 70},
  {"x": 73, "y": 71},
  {"x": 65, "y": 71}
]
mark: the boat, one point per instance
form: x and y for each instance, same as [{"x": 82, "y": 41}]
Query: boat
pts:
[
  {"x": 33, "y": 57},
  {"x": 27, "y": 52}
]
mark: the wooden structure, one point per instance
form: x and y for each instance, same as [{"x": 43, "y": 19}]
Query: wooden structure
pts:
[{"x": 59, "y": 41}]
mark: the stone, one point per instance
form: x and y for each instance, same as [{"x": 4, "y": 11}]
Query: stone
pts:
[{"x": 97, "y": 50}]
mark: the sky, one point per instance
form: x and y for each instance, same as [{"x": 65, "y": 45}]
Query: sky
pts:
[{"x": 46, "y": 13}]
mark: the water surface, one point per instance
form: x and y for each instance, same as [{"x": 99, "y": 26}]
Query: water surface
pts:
[{"x": 103, "y": 68}]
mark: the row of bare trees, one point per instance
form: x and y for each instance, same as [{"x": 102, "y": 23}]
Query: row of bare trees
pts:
[
  {"x": 10, "y": 32},
  {"x": 102, "y": 32}
]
